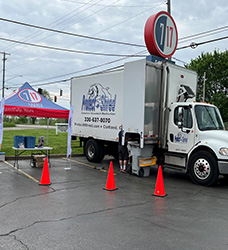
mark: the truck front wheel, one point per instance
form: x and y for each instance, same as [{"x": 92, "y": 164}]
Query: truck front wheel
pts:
[
  {"x": 94, "y": 151},
  {"x": 203, "y": 168}
]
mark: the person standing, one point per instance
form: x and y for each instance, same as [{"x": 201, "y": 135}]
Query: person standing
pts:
[{"x": 123, "y": 151}]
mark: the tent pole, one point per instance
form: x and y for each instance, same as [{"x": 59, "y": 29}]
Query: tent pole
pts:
[
  {"x": 68, "y": 168},
  {"x": 47, "y": 129}
]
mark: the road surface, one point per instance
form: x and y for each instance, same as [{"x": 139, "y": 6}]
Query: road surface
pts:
[{"x": 75, "y": 212}]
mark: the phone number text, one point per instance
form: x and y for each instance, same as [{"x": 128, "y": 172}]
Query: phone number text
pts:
[{"x": 97, "y": 119}]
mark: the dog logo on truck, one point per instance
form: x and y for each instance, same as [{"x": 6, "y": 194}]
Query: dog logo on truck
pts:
[
  {"x": 181, "y": 138},
  {"x": 98, "y": 98}
]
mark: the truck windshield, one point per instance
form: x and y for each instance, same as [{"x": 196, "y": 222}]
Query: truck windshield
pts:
[{"x": 208, "y": 118}]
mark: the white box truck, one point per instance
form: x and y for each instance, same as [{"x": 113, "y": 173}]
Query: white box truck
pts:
[{"x": 162, "y": 122}]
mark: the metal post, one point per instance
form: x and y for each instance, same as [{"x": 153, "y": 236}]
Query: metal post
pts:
[
  {"x": 204, "y": 83},
  {"x": 47, "y": 129},
  {"x": 168, "y": 6},
  {"x": 3, "y": 71},
  {"x": 69, "y": 167},
  {"x": 169, "y": 11},
  {"x": 70, "y": 162}
]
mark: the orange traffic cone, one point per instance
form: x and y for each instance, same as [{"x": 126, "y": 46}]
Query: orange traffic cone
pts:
[
  {"x": 45, "y": 179},
  {"x": 159, "y": 189},
  {"x": 110, "y": 184}
]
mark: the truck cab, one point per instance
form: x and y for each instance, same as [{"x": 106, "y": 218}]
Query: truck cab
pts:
[
  {"x": 181, "y": 133},
  {"x": 197, "y": 141}
]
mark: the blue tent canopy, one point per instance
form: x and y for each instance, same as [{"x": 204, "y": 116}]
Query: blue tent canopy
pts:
[{"x": 28, "y": 102}]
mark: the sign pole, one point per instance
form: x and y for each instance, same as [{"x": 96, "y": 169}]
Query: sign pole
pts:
[
  {"x": 47, "y": 129},
  {"x": 1, "y": 120},
  {"x": 3, "y": 71},
  {"x": 169, "y": 11},
  {"x": 169, "y": 6},
  {"x": 204, "y": 84}
]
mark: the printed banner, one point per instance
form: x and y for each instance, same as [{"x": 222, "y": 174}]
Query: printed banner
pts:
[
  {"x": 69, "y": 131},
  {"x": 1, "y": 120}
]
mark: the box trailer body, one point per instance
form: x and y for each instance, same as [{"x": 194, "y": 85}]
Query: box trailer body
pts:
[
  {"x": 98, "y": 105},
  {"x": 155, "y": 104}
]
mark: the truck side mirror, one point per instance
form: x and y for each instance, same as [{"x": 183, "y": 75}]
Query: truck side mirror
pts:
[{"x": 180, "y": 117}]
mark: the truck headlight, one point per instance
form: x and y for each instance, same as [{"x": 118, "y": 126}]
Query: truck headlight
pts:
[{"x": 223, "y": 151}]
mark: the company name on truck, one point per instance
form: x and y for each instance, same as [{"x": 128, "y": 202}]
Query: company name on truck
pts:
[{"x": 98, "y": 98}]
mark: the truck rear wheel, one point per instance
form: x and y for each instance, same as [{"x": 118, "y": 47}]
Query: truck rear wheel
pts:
[
  {"x": 141, "y": 172},
  {"x": 203, "y": 168},
  {"x": 94, "y": 151}
]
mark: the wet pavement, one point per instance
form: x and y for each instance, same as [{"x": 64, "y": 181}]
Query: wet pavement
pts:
[{"x": 75, "y": 212}]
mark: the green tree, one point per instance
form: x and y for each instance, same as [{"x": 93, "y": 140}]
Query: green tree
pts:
[
  {"x": 216, "y": 86},
  {"x": 22, "y": 120},
  {"x": 46, "y": 94}
]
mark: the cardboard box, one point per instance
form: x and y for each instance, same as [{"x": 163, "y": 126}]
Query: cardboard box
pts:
[{"x": 39, "y": 160}]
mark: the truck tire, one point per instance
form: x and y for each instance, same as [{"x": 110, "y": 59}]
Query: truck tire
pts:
[
  {"x": 203, "y": 168},
  {"x": 141, "y": 172},
  {"x": 94, "y": 151}
]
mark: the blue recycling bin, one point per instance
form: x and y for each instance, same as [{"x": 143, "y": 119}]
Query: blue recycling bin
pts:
[
  {"x": 19, "y": 141},
  {"x": 30, "y": 141}
]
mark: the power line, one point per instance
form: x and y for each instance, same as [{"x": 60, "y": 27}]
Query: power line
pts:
[
  {"x": 87, "y": 69},
  {"x": 70, "y": 34},
  {"x": 92, "y": 4},
  {"x": 193, "y": 45},
  {"x": 202, "y": 36},
  {"x": 154, "y": 6},
  {"x": 204, "y": 33},
  {"x": 68, "y": 79},
  {"x": 179, "y": 60},
  {"x": 56, "y": 22},
  {"x": 93, "y": 13},
  {"x": 127, "y": 6},
  {"x": 66, "y": 50},
  {"x": 37, "y": 32}
]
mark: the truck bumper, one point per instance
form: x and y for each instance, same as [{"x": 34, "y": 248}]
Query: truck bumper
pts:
[{"x": 223, "y": 167}]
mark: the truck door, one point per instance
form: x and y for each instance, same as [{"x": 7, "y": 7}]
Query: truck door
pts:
[{"x": 181, "y": 128}]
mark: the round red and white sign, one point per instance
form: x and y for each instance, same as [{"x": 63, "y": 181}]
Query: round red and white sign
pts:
[
  {"x": 29, "y": 95},
  {"x": 161, "y": 35}
]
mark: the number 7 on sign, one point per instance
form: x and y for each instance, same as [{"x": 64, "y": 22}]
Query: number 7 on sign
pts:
[
  {"x": 169, "y": 35},
  {"x": 169, "y": 30},
  {"x": 162, "y": 32}
]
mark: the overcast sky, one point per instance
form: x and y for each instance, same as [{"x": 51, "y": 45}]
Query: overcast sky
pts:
[{"x": 119, "y": 20}]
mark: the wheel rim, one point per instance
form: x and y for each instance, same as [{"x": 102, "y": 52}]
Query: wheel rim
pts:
[
  {"x": 91, "y": 151},
  {"x": 202, "y": 169}
]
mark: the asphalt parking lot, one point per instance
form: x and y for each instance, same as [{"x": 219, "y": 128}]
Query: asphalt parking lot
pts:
[{"x": 75, "y": 212}]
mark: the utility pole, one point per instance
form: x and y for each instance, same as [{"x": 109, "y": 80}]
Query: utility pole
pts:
[
  {"x": 168, "y": 6},
  {"x": 169, "y": 11},
  {"x": 3, "y": 71},
  {"x": 204, "y": 85}
]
